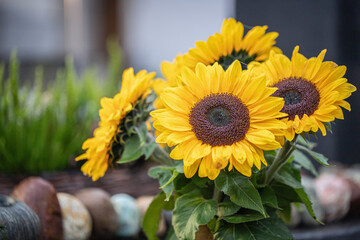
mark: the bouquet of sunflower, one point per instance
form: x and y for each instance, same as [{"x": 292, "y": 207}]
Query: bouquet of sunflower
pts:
[{"x": 229, "y": 123}]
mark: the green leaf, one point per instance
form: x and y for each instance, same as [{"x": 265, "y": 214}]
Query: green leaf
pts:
[
  {"x": 152, "y": 216},
  {"x": 301, "y": 140},
  {"x": 304, "y": 161},
  {"x": 285, "y": 211},
  {"x": 308, "y": 204},
  {"x": 180, "y": 182},
  {"x": 174, "y": 175},
  {"x": 248, "y": 216},
  {"x": 317, "y": 156},
  {"x": 164, "y": 175},
  {"x": 171, "y": 234},
  {"x": 231, "y": 232},
  {"x": 268, "y": 197},
  {"x": 290, "y": 176},
  {"x": 227, "y": 208},
  {"x": 271, "y": 228},
  {"x": 141, "y": 131},
  {"x": 240, "y": 190},
  {"x": 204, "y": 185},
  {"x": 214, "y": 224},
  {"x": 148, "y": 149},
  {"x": 286, "y": 176},
  {"x": 132, "y": 150},
  {"x": 191, "y": 211}
]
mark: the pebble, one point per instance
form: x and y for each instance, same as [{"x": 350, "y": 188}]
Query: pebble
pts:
[
  {"x": 334, "y": 194},
  {"x": 77, "y": 222},
  {"x": 103, "y": 215},
  {"x": 128, "y": 215},
  {"x": 40, "y": 196}
]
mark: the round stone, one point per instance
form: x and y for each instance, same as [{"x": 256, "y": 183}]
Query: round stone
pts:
[
  {"x": 219, "y": 119},
  {"x": 334, "y": 194},
  {"x": 128, "y": 215},
  {"x": 40, "y": 196},
  {"x": 101, "y": 210},
  {"x": 77, "y": 222}
]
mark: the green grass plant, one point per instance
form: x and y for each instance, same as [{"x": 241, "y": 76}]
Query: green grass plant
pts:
[{"x": 43, "y": 125}]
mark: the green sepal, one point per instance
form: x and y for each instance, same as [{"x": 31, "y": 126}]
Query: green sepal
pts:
[
  {"x": 240, "y": 190},
  {"x": 141, "y": 130},
  {"x": 148, "y": 149},
  {"x": 191, "y": 211},
  {"x": 328, "y": 126},
  {"x": 271, "y": 228}
]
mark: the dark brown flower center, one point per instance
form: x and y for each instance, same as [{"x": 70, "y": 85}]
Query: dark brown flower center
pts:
[
  {"x": 300, "y": 96},
  {"x": 220, "y": 119}
]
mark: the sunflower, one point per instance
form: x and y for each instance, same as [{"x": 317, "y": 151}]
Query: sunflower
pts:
[
  {"x": 223, "y": 48},
  {"x": 218, "y": 118},
  {"x": 230, "y": 45},
  {"x": 99, "y": 149},
  {"x": 313, "y": 90}
]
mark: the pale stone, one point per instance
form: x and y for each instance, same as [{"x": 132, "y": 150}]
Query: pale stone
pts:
[
  {"x": 334, "y": 194},
  {"x": 128, "y": 215},
  {"x": 77, "y": 223}
]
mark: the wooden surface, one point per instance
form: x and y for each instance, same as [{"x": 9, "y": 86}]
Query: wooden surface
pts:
[{"x": 133, "y": 181}]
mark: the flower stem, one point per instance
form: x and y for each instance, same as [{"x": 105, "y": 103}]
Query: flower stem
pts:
[
  {"x": 280, "y": 160},
  {"x": 159, "y": 154},
  {"x": 217, "y": 195}
]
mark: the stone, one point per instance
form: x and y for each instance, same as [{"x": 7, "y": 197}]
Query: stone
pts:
[
  {"x": 143, "y": 203},
  {"x": 128, "y": 215},
  {"x": 40, "y": 196},
  {"x": 334, "y": 194},
  {"x": 77, "y": 224},
  {"x": 352, "y": 176},
  {"x": 103, "y": 215}
]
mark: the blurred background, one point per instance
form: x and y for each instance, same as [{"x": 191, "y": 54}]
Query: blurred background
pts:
[{"x": 45, "y": 32}]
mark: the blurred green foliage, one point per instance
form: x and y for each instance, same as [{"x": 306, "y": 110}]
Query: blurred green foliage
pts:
[{"x": 42, "y": 126}]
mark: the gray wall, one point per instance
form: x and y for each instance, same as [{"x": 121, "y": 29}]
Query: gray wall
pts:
[{"x": 314, "y": 26}]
